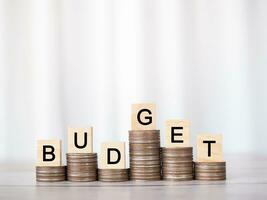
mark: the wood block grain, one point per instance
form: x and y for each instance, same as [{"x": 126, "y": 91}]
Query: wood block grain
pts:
[
  {"x": 177, "y": 133},
  {"x": 143, "y": 116},
  {"x": 52, "y": 157},
  {"x": 111, "y": 151},
  {"x": 80, "y": 140},
  {"x": 204, "y": 141}
]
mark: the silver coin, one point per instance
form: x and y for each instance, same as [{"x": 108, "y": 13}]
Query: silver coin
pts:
[
  {"x": 210, "y": 163},
  {"x": 81, "y": 164},
  {"x": 82, "y": 179},
  {"x": 50, "y": 179},
  {"x": 144, "y": 131},
  {"x": 50, "y": 174},
  {"x": 210, "y": 178}
]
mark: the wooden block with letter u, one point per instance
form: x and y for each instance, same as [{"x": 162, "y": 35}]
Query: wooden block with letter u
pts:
[
  {"x": 81, "y": 161},
  {"x": 80, "y": 140}
]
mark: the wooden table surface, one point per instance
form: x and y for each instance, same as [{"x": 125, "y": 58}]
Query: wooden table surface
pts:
[{"x": 246, "y": 179}]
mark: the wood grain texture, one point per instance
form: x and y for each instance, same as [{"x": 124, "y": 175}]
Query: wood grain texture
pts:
[
  {"x": 184, "y": 125},
  {"x": 216, "y": 153},
  {"x": 80, "y": 140},
  {"x": 136, "y": 125},
  {"x": 103, "y": 164},
  {"x": 57, "y": 152}
]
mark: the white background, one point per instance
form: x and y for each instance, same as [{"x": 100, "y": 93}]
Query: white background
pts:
[{"x": 84, "y": 62}]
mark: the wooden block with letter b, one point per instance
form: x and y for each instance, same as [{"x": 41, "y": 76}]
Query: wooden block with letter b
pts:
[
  {"x": 209, "y": 148},
  {"x": 49, "y": 153},
  {"x": 143, "y": 116},
  {"x": 177, "y": 133},
  {"x": 112, "y": 155},
  {"x": 80, "y": 140}
]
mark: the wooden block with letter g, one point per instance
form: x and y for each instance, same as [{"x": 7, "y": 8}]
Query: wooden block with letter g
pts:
[
  {"x": 80, "y": 140},
  {"x": 209, "y": 148},
  {"x": 177, "y": 133},
  {"x": 49, "y": 153},
  {"x": 143, "y": 116},
  {"x": 112, "y": 155}
]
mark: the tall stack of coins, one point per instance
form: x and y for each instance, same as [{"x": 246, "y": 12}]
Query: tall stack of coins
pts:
[
  {"x": 145, "y": 155},
  {"x": 50, "y": 174},
  {"x": 210, "y": 171},
  {"x": 82, "y": 167},
  {"x": 177, "y": 163},
  {"x": 113, "y": 175}
]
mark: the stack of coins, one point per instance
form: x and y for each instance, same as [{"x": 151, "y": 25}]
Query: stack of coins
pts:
[
  {"x": 177, "y": 163},
  {"x": 210, "y": 171},
  {"x": 145, "y": 155},
  {"x": 50, "y": 174},
  {"x": 82, "y": 167},
  {"x": 113, "y": 175}
]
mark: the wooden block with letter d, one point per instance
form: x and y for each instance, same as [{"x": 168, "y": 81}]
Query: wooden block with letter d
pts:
[
  {"x": 49, "y": 153},
  {"x": 143, "y": 116},
  {"x": 80, "y": 140},
  {"x": 112, "y": 155},
  {"x": 209, "y": 148},
  {"x": 177, "y": 133}
]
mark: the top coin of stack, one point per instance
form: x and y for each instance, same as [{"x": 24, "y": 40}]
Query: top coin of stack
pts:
[
  {"x": 50, "y": 173},
  {"x": 82, "y": 167},
  {"x": 177, "y": 163},
  {"x": 210, "y": 170},
  {"x": 144, "y": 146}
]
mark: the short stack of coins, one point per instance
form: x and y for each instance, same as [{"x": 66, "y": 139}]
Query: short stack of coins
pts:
[
  {"x": 177, "y": 163},
  {"x": 113, "y": 175},
  {"x": 50, "y": 173},
  {"x": 144, "y": 146},
  {"x": 209, "y": 171},
  {"x": 82, "y": 167}
]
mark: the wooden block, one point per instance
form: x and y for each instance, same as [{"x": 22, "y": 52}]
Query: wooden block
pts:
[
  {"x": 143, "y": 116},
  {"x": 177, "y": 133},
  {"x": 80, "y": 140},
  {"x": 112, "y": 155},
  {"x": 209, "y": 148},
  {"x": 49, "y": 153}
]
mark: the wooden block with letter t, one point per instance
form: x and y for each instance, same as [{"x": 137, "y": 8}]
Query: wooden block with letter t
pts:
[
  {"x": 177, "y": 133},
  {"x": 112, "y": 155},
  {"x": 143, "y": 116},
  {"x": 209, "y": 148},
  {"x": 49, "y": 153},
  {"x": 80, "y": 140}
]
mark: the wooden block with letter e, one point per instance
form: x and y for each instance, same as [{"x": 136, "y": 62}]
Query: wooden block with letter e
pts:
[
  {"x": 143, "y": 116},
  {"x": 209, "y": 148},
  {"x": 112, "y": 155},
  {"x": 49, "y": 153},
  {"x": 80, "y": 140},
  {"x": 177, "y": 133}
]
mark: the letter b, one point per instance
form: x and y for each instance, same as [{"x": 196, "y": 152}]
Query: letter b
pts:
[
  {"x": 49, "y": 153},
  {"x": 48, "y": 150}
]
